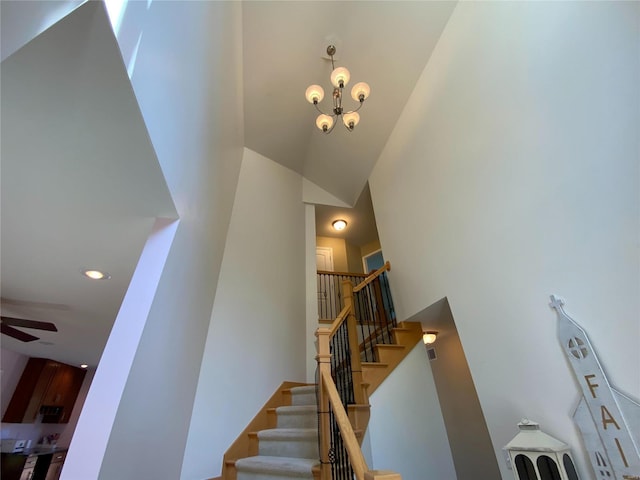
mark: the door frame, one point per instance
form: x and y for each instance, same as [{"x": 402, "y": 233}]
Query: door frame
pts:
[{"x": 364, "y": 259}]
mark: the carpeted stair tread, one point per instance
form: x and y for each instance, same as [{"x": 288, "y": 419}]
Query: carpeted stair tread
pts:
[{"x": 277, "y": 466}]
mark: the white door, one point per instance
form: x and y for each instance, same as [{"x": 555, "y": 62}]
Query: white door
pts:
[
  {"x": 324, "y": 262},
  {"x": 324, "y": 259}
]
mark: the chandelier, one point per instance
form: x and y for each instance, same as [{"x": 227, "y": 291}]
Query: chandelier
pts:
[{"x": 339, "y": 78}]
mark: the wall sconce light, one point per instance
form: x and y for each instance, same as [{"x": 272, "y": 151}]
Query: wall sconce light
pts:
[
  {"x": 339, "y": 224},
  {"x": 429, "y": 337}
]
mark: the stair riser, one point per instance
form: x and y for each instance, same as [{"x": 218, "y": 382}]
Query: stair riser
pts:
[
  {"x": 298, "y": 421},
  {"x": 304, "y": 399},
  {"x": 386, "y": 355},
  {"x": 298, "y": 449},
  {"x": 277, "y": 468},
  {"x": 374, "y": 376}
]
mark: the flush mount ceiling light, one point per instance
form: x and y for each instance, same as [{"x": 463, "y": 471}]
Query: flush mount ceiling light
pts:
[
  {"x": 429, "y": 337},
  {"x": 95, "y": 274},
  {"x": 339, "y": 224},
  {"x": 339, "y": 78}
]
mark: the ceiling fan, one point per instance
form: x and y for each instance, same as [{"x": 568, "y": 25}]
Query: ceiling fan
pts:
[{"x": 7, "y": 324}]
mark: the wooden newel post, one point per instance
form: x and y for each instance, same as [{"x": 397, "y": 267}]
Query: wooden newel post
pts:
[
  {"x": 354, "y": 344},
  {"x": 324, "y": 367}
]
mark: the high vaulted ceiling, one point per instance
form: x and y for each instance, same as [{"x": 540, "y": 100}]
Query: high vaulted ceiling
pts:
[
  {"x": 386, "y": 44},
  {"x": 80, "y": 188}
]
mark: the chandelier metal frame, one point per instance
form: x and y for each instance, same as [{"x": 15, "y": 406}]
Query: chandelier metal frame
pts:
[{"x": 339, "y": 78}]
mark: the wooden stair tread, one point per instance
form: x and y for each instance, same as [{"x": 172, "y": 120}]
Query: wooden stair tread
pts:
[{"x": 390, "y": 346}]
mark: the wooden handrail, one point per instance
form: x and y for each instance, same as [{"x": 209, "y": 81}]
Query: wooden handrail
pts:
[
  {"x": 356, "y": 459},
  {"x": 372, "y": 277},
  {"x": 342, "y": 316}
]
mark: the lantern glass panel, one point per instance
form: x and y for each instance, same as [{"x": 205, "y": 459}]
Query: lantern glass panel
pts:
[
  {"x": 525, "y": 468},
  {"x": 548, "y": 468},
  {"x": 569, "y": 467}
]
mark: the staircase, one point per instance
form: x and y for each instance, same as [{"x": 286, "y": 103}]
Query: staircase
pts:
[
  {"x": 288, "y": 447},
  {"x": 282, "y": 441},
  {"x": 405, "y": 336}
]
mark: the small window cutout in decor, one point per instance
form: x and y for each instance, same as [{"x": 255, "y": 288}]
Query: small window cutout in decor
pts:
[
  {"x": 569, "y": 467},
  {"x": 577, "y": 348},
  {"x": 548, "y": 468},
  {"x": 525, "y": 468},
  {"x": 431, "y": 353}
]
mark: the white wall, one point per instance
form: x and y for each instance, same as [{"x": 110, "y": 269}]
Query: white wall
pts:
[
  {"x": 256, "y": 337},
  {"x": 469, "y": 439},
  {"x": 311, "y": 287},
  {"x": 515, "y": 166},
  {"x": 20, "y": 23},
  {"x": 184, "y": 59},
  {"x": 406, "y": 430}
]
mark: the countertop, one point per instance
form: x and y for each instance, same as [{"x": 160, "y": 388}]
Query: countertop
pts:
[{"x": 40, "y": 451}]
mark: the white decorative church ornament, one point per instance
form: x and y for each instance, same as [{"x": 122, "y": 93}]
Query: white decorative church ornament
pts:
[
  {"x": 535, "y": 455},
  {"x": 608, "y": 420}
]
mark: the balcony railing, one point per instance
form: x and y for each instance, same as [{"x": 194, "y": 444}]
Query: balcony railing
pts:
[{"x": 330, "y": 291}]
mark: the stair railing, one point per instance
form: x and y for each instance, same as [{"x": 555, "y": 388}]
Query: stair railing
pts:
[
  {"x": 329, "y": 286},
  {"x": 340, "y": 384},
  {"x": 375, "y": 313}
]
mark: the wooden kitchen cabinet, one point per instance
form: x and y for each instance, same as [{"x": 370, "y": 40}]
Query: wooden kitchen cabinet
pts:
[{"x": 46, "y": 387}]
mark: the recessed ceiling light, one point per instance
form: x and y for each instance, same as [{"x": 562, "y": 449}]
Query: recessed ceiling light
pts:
[
  {"x": 339, "y": 224},
  {"x": 84, "y": 365},
  {"x": 96, "y": 274}
]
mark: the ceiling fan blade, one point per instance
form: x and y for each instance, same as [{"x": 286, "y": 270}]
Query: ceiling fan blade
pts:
[
  {"x": 17, "y": 334},
  {"x": 27, "y": 303},
  {"x": 20, "y": 322}
]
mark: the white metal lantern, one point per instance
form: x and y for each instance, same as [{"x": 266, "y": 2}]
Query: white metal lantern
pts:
[{"x": 534, "y": 455}]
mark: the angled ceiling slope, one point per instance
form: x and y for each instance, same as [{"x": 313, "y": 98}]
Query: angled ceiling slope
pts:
[
  {"x": 385, "y": 43},
  {"x": 80, "y": 186}
]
